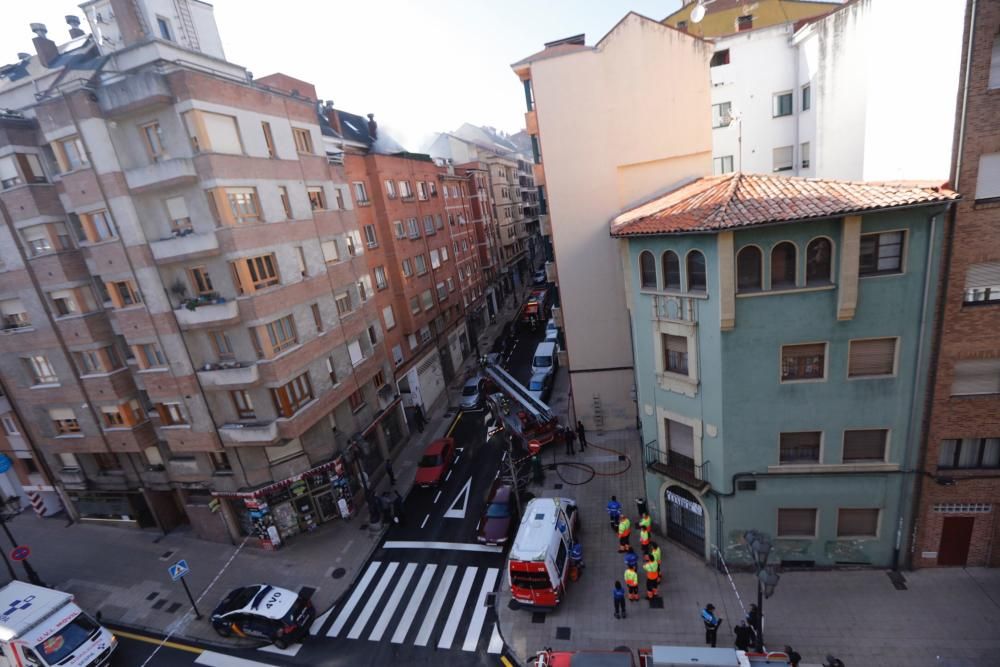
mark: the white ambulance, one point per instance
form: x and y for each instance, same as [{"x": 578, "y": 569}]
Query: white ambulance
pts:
[
  {"x": 41, "y": 627},
  {"x": 538, "y": 566}
]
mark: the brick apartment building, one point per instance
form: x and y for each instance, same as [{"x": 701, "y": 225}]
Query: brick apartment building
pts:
[
  {"x": 958, "y": 516},
  {"x": 190, "y": 325}
]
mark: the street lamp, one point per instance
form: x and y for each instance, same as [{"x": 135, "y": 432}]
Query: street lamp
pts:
[{"x": 759, "y": 548}]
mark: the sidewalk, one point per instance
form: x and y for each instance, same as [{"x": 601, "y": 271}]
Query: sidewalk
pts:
[{"x": 945, "y": 617}]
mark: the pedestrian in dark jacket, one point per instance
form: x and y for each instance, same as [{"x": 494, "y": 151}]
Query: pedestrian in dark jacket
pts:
[
  {"x": 753, "y": 620},
  {"x": 418, "y": 417},
  {"x": 397, "y": 508},
  {"x": 568, "y": 436},
  {"x": 581, "y": 433},
  {"x": 712, "y": 623},
  {"x": 793, "y": 656},
  {"x": 743, "y": 636},
  {"x": 619, "y": 595},
  {"x": 388, "y": 471}
]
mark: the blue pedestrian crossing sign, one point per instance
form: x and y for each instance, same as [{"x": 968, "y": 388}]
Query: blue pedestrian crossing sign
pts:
[{"x": 178, "y": 569}]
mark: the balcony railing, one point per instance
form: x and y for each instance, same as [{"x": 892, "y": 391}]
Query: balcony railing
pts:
[
  {"x": 251, "y": 433},
  {"x": 184, "y": 246},
  {"x": 134, "y": 93},
  {"x": 228, "y": 374},
  {"x": 73, "y": 478},
  {"x": 162, "y": 174},
  {"x": 670, "y": 308},
  {"x": 201, "y": 313},
  {"x": 675, "y": 465}
]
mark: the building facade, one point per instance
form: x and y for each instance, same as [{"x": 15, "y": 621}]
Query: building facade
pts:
[
  {"x": 782, "y": 354},
  {"x": 724, "y": 17}
]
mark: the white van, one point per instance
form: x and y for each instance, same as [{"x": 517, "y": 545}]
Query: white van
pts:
[
  {"x": 545, "y": 358},
  {"x": 41, "y": 627}
]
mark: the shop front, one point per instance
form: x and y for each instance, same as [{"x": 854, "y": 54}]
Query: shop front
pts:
[{"x": 125, "y": 508}]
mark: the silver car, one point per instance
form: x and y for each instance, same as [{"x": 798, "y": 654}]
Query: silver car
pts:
[
  {"x": 472, "y": 393},
  {"x": 540, "y": 385}
]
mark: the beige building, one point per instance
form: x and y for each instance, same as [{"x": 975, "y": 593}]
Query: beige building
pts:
[{"x": 612, "y": 130}]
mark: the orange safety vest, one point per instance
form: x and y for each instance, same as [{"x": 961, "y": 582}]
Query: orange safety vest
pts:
[
  {"x": 631, "y": 577},
  {"x": 645, "y": 522},
  {"x": 652, "y": 572},
  {"x": 624, "y": 527}
]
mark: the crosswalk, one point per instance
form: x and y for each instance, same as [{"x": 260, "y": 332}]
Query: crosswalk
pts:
[{"x": 448, "y": 601}]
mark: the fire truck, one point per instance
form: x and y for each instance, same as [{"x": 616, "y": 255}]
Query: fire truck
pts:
[
  {"x": 537, "y": 308},
  {"x": 512, "y": 409}
]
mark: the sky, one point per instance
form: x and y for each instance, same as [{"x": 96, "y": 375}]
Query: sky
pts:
[{"x": 421, "y": 66}]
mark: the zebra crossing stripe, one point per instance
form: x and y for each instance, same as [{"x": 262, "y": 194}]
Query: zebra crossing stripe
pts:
[
  {"x": 373, "y": 600},
  {"x": 352, "y": 602},
  {"x": 414, "y": 604},
  {"x": 496, "y": 642},
  {"x": 436, "y": 603},
  {"x": 461, "y": 597},
  {"x": 479, "y": 613},
  {"x": 390, "y": 606}
]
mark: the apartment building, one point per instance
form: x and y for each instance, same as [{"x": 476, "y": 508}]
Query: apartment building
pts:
[
  {"x": 192, "y": 327},
  {"x": 724, "y": 17},
  {"x": 957, "y": 520}
]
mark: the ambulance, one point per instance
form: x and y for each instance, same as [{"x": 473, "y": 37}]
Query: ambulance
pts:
[
  {"x": 538, "y": 566},
  {"x": 41, "y": 627}
]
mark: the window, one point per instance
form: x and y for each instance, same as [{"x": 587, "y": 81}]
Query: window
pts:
[
  {"x": 151, "y": 135},
  {"x": 317, "y": 198},
  {"x": 255, "y": 273},
  {"x": 390, "y": 189},
  {"x": 976, "y": 376},
  {"x": 872, "y": 358},
  {"x": 397, "y": 355},
  {"x": 148, "y": 355},
  {"x": 355, "y": 353},
  {"x": 370, "y": 236},
  {"x": 331, "y": 367},
  {"x": 414, "y": 305},
  {"x": 379, "y": 380},
  {"x": 399, "y": 229},
  {"x": 749, "y": 272},
  {"x": 177, "y": 213},
  {"x": 286, "y": 201},
  {"x": 364, "y": 287},
  {"x": 388, "y": 317},
  {"x": 444, "y": 253},
  {"x": 171, "y": 414},
  {"x": 381, "y": 282},
  {"x": 344, "y": 305},
  {"x": 97, "y": 226},
  {"x": 421, "y": 263},
  {"x": 123, "y": 294},
  {"x": 857, "y": 522},
  {"x": 995, "y": 64},
  {"x": 806, "y": 97},
  {"x": 317, "y": 316},
  {"x": 970, "y": 453},
  {"x": 865, "y": 446},
  {"x": 212, "y": 132},
  {"x": 405, "y": 191},
  {"x": 982, "y": 283},
  {"x": 163, "y": 25},
  {"x": 281, "y": 334},
  {"x": 803, "y": 362},
  {"x": 696, "y": 272},
  {"x": 64, "y": 302},
  {"x": 330, "y": 251},
  {"x": 243, "y": 205},
  {"x": 64, "y": 421},
  {"x": 220, "y": 462},
  {"x": 356, "y": 400},
  {"x": 781, "y": 159},
  {"x": 647, "y": 270},
  {"x": 70, "y": 154},
  {"x": 722, "y": 165},
  {"x": 782, "y": 104},
  {"x": 422, "y": 191},
  {"x": 442, "y": 291},
  {"x": 407, "y": 268},
  {"x": 881, "y": 254},
  {"x": 804, "y": 153},
  {"x": 200, "y": 280},
  {"x": 289, "y": 450},
  {"x": 671, "y": 270},
  {"x": 103, "y": 360},
  {"x": 435, "y": 258},
  {"x": 797, "y": 522},
  {"x": 268, "y": 139},
  {"x": 819, "y": 264},
  {"x": 414, "y": 227},
  {"x": 719, "y": 58},
  {"x": 744, "y": 23},
  {"x": 722, "y": 114},
  {"x": 222, "y": 345},
  {"x": 303, "y": 140},
  {"x": 429, "y": 225},
  {"x": 988, "y": 177},
  {"x": 682, "y": 25},
  {"x": 68, "y": 461},
  {"x": 451, "y": 284},
  {"x": 243, "y": 404},
  {"x": 288, "y": 399},
  {"x": 675, "y": 353},
  {"x": 373, "y": 334},
  {"x": 116, "y": 416},
  {"x": 427, "y": 299},
  {"x": 439, "y": 221},
  {"x": 783, "y": 265},
  {"x": 361, "y": 193},
  {"x": 9, "y": 425},
  {"x": 800, "y": 447}
]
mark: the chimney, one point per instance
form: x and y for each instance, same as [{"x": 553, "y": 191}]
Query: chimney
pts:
[
  {"x": 44, "y": 47},
  {"x": 74, "y": 27},
  {"x": 332, "y": 117},
  {"x": 372, "y": 127}
]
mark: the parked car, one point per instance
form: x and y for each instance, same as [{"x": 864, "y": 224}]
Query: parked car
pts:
[
  {"x": 539, "y": 277},
  {"x": 551, "y": 331},
  {"x": 546, "y": 357},
  {"x": 434, "y": 464},
  {"x": 499, "y": 515},
  {"x": 472, "y": 393},
  {"x": 540, "y": 385},
  {"x": 278, "y": 615}
]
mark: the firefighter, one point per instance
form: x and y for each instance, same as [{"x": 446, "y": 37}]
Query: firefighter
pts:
[
  {"x": 624, "y": 530},
  {"x": 652, "y": 578},
  {"x": 657, "y": 553},
  {"x": 632, "y": 583},
  {"x": 644, "y": 539},
  {"x": 614, "y": 512},
  {"x": 712, "y": 623},
  {"x": 631, "y": 560}
]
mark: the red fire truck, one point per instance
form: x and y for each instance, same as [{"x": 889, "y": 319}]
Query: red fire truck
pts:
[
  {"x": 539, "y": 562},
  {"x": 514, "y": 410},
  {"x": 537, "y": 308}
]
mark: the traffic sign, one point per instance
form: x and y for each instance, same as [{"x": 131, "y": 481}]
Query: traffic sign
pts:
[
  {"x": 178, "y": 570},
  {"x": 20, "y": 553},
  {"x": 5, "y": 463}
]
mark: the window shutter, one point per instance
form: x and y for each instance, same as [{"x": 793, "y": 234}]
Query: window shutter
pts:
[
  {"x": 868, "y": 445},
  {"x": 857, "y": 522},
  {"x": 976, "y": 376},
  {"x": 11, "y": 307},
  {"x": 354, "y": 349},
  {"x": 798, "y": 351},
  {"x": 222, "y": 133},
  {"x": 8, "y": 169},
  {"x": 988, "y": 179},
  {"x": 676, "y": 344},
  {"x": 796, "y": 522},
  {"x": 177, "y": 208},
  {"x": 872, "y": 357},
  {"x": 800, "y": 447},
  {"x": 980, "y": 276},
  {"x": 62, "y": 413}
]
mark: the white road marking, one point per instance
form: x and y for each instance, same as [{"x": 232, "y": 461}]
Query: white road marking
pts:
[
  {"x": 461, "y": 597},
  {"x": 411, "y": 607},
  {"x": 460, "y": 449},
  {"x": 318, "y": 623},
  {"x": 390, "y": 607},
  {"x": 425, "y": 521},
  {"x": 445, "y": 546},
  {"x": 456, "y": 459},
  {"x": 437, "y": 497},
  {"x": 373, "y": 601},
  {"x": 436, "y": 602},
  {"x": 213, "y": 659},
  {"x": 479, "y": 613},
  {"x": 352, "y": 602},
  {"x": 454, "y": 512},
  {"x": 347, "y": 546},
  {"x": 496, "y": 642},
  {"x": 448, "y": 476},
  {"x": 291, "y": 651}
]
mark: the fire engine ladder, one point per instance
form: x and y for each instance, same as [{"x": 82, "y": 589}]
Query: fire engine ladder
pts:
[{"x": 517, "y": 392}]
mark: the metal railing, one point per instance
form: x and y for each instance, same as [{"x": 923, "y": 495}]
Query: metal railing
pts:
[
  {"x": 675, "y": 465},
  {"x": 672, "y": 308}
]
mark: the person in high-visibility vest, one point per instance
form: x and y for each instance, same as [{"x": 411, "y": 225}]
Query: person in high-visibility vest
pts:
[
  {"x": 624, "y": 530},
  {"x": 657, "y": 553},
  {"x": 652, "y": 578},
  {"x": 632, "y": 583},
  {"x": 644, "y": 539},
  {"x": 645, "y": 521}
]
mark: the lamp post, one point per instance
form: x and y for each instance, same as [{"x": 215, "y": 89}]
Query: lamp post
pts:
[{"x": 759, "y": 548}]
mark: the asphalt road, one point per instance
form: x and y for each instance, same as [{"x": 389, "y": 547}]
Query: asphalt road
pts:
[{"x": 134, "y": 649}]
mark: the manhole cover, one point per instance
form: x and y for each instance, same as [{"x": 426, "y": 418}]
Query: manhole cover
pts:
[
  {"x": 656, "y": 603},
  {"x": 338, "y": 573},
  {"x": 563, "y": 633},
  {"x": 537, "y": 617}
]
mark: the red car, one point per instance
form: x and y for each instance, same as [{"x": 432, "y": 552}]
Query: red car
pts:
[
  {"x": 499, "y": 515},
  {"x": 435, "y": 462}
]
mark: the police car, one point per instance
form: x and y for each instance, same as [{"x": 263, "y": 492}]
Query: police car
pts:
[{"x": 277, "y": 615}]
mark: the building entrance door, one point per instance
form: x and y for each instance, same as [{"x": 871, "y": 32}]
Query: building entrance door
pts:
[
  {"x": 956, "y": 535},
  {"x": 685, "y": 519}
]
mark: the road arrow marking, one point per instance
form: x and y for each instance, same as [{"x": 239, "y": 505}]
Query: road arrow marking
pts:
[{"x": 454, "y": 512}]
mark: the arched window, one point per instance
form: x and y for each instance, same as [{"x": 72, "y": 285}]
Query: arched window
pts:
[
  {"x": 748, "y": 269},
  {"x": 696, "y": 271},
  {"x": 671, "y": 270},
  {"x": 819, "y": 255},
  {"x": 647, "y": 270},
  {"x": 783, "y": 265}
]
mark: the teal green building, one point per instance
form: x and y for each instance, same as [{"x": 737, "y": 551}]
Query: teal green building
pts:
[{"x": 781, "y": 330}]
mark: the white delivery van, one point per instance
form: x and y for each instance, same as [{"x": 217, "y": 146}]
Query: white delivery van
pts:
[
  {"x": 545, "y": 359},
  {"x": 41, "y": 627}
]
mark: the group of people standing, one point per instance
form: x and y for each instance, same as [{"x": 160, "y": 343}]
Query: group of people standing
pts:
[
  {"x": 570, "y": 436},
  {"x": 652, "y": 556}
]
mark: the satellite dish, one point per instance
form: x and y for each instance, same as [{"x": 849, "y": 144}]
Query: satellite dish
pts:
[{"x": 698, "y": 13}]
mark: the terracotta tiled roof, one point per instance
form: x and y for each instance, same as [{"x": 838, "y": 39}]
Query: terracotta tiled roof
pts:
[{"x": 739, "y": 200}]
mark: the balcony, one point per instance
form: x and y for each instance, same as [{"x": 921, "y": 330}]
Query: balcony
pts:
[
  {"x": 114, "y": 480},
  {"x": 133, "y": 94},
  {"x": 163, "y": 174},
  {"x": 228, "y": 374},
  {"x": 256, "y": 433},
  {"x": 550, "y": 272},
  {"x": 183, "y": 247},
  {"x": 184, "y": 468},
  {"x": 204, "y": 312},
  {"x": 155, "y": 476},
  {"x": 669, "y": 308},
  {"x": 72, "y": 478},
  {"x": 677, "y": 466}
]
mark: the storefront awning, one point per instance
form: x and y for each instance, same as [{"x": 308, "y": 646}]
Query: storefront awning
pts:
[{"x": 270, "y": 488}]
